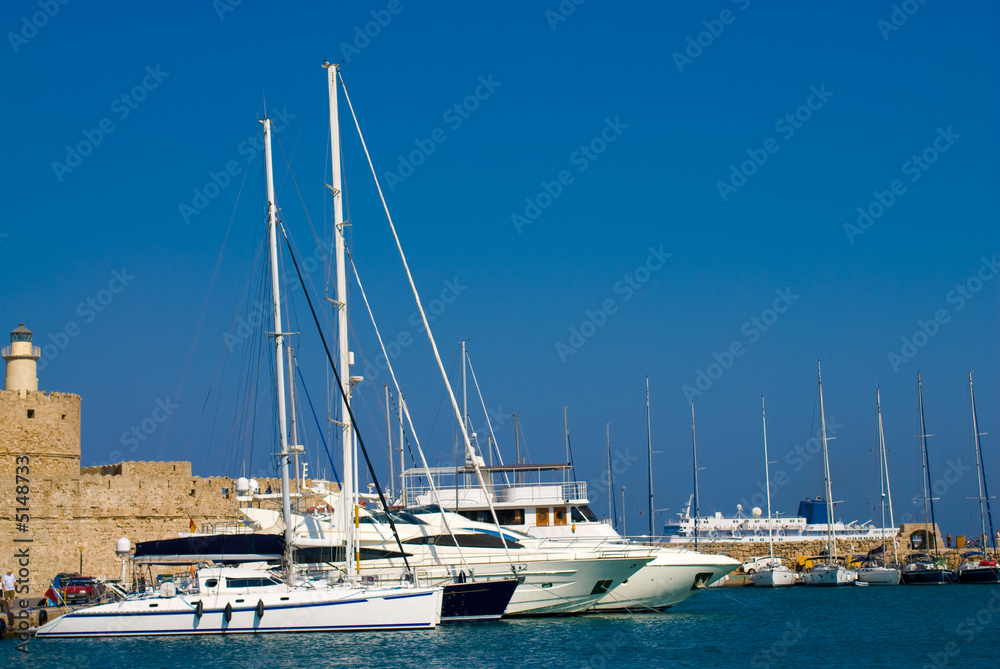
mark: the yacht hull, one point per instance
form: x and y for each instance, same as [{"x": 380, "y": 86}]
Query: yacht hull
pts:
[
  {"x": 928, "y": 577},
  {"x": 673, "y": 576},
  {"x": 476, "y": 601},
  {"x": 879, "y": 575},
  {"x": 829, "y": 577},
  {"x": 773, "y": 578},
  {"x": 979, "y": 574}
]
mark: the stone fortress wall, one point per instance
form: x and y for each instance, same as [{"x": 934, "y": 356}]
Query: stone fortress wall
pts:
[{"x": 75, "y": 512}]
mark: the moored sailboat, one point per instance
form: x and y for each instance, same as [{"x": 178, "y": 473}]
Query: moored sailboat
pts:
[
  {"x": 984, "y": 569},
  {"x": 882, "y": 574},
  {"x": 830, "y": 573},
  {"x": 924, "y": 570},
  {"x": 771, "y": 575}
]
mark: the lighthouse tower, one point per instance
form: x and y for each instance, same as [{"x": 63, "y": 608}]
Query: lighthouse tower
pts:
[
  {"x": 42, "y": 426},
  {"x": 22, "y": 361}
]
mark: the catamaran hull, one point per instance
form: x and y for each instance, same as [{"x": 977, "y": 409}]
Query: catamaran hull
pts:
[
  {"x": 669, "y": 579},
  {"x": 316, "y": 611}
]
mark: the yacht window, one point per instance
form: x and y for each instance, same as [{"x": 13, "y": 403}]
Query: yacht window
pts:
[
  {"x": 211, "y": 583},
  {"x": 510, "y": 516},
  {"x": 586, "y": 513},
  {"x": 250, "y": 582},
  {"x": 427, "y": 508},
  {"x": 479, "y": 516}
]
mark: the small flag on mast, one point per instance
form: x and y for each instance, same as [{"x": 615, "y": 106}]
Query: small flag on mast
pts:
[{"x": 194, "y": 526}]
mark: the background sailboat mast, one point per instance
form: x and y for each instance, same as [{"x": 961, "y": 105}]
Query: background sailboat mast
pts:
[
  {"x": 767, "y": 481},
  {"x": 649, "y": 451},
  {"x": 272, "y": 224},
  {"x": 928, "y": 500},
  {"x": 984, "y": 495},
  {"x": 694, "y": 449},
  {"x": 831, "y": 545},
  {"x": 347, "y": 510}
]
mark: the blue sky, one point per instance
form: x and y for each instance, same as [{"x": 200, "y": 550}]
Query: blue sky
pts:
[{"x": 650, "y": 176}]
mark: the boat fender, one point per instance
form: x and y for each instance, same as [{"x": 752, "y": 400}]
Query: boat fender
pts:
[
  {"x": 199, "y": 609},
  {"x": 228, "y": 612},
  {"x": 260, "y": 608},
  {"x": 43, "y": 617}
]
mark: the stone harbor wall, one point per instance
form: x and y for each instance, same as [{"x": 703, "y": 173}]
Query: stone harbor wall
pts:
[
  {"x": 793, "y": 549},
  {"x": 53, "y": 513}
]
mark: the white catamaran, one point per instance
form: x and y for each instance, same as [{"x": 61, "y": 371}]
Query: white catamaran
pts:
[{"x": 227, "y": 600}]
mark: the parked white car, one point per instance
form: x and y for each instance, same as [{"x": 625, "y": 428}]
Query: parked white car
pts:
[{"x": 755, "y": 564}]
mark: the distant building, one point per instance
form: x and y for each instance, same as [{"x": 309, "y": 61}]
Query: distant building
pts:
[{"x": 920, "y": 536}]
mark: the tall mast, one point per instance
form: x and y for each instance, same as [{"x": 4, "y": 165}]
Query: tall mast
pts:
[
  {"x": 767, "y": 480},
  {"x": 831, "y": 545},
  {"x": 928, "y": 500},
  {"x": 295, "y": 438},
  {"x": 348, "y": 505},
  {"x": 984, "y": 495},
  {"x": 465, "y": 396},
  {"x": 402, "y": 458},
  {"x": 884, "y": 468},
  {"x": 566, "y": 430},
  {"x": 279, "y": 367},
  {"x": 694, "y": 450},
  {"x": 517, "y": 449},
  {"x": 388, "y": 432},
  {"x": 649, "y": 455},
  {"x": 613, "y": 516}
]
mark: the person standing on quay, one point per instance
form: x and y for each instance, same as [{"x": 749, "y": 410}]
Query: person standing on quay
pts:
[{"x": 8, "y": 589}]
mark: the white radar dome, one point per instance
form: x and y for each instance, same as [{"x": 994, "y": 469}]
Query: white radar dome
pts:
[
  {"x": 242, "y": 485},
  {"x": 755, "y": 511}
]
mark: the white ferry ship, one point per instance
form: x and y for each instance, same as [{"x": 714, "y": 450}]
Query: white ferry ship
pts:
[{"x": 810, "y": 523}]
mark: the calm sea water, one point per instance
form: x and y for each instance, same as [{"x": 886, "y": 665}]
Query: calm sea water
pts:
[{"x": 942, "y": 626}]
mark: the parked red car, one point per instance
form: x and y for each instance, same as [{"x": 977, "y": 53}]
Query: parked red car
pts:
[{"x": 81, "y": 590}]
